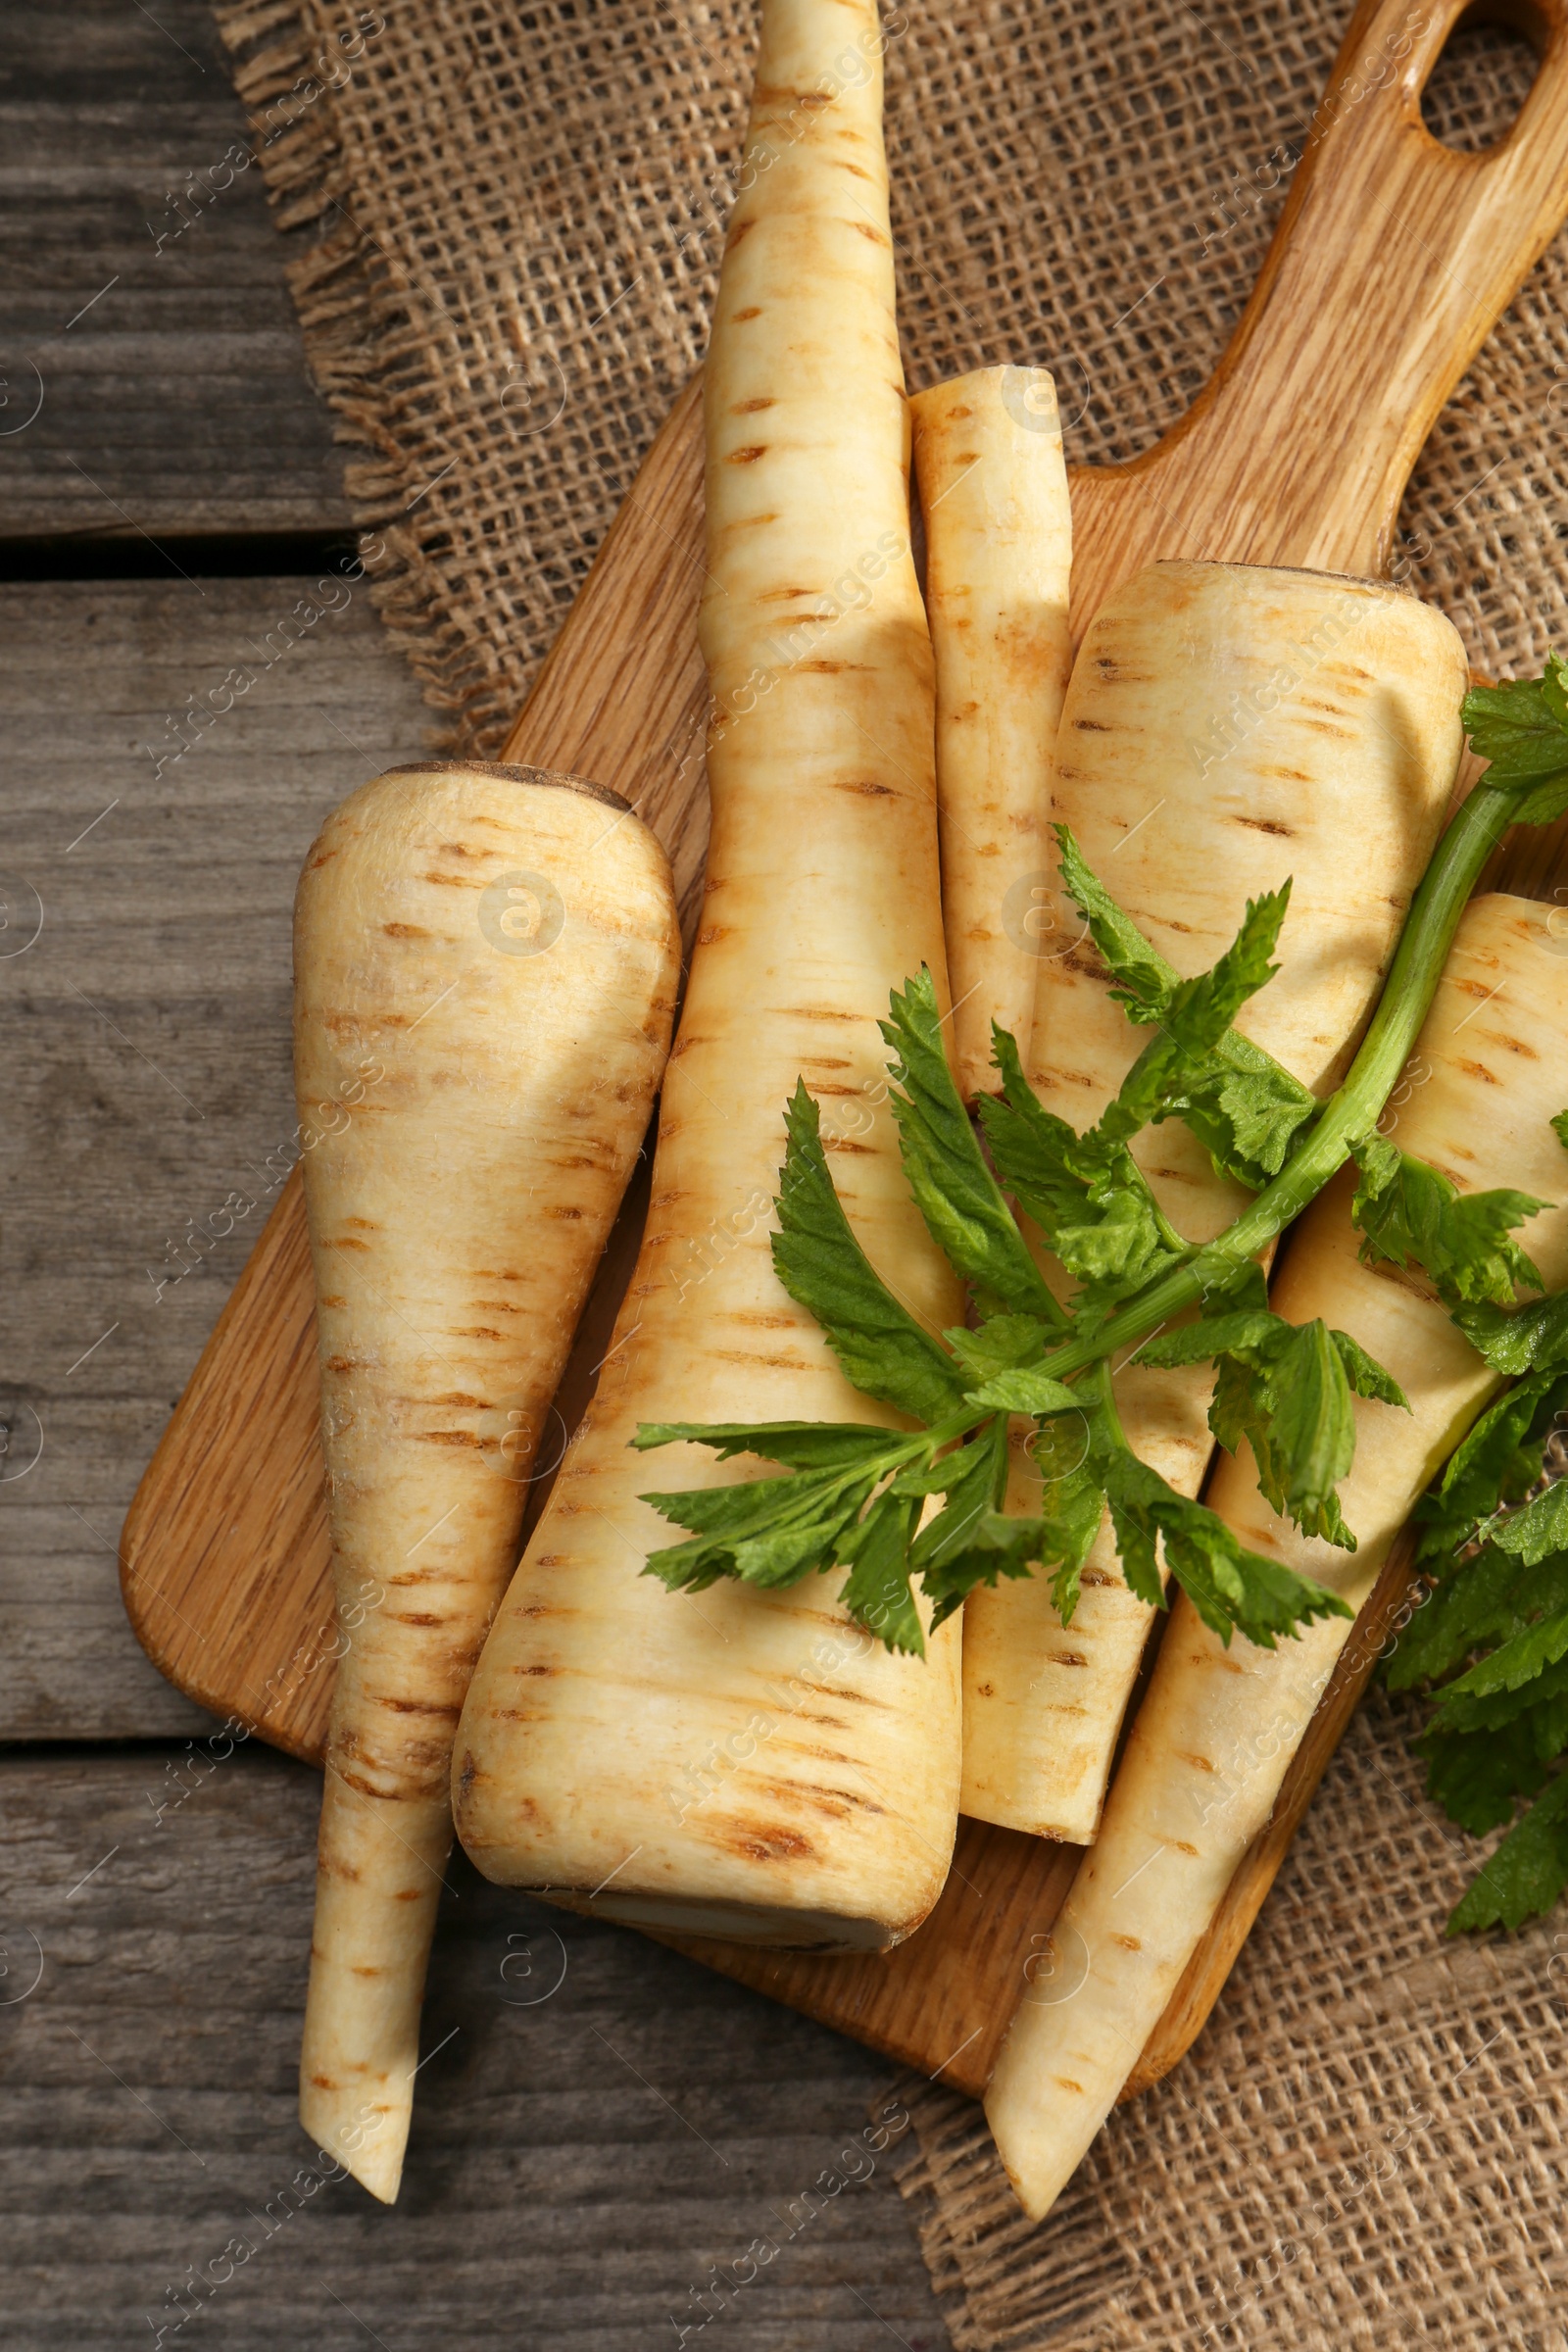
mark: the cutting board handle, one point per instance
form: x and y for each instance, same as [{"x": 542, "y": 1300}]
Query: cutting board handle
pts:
[{"x": 1394, "y": 257}]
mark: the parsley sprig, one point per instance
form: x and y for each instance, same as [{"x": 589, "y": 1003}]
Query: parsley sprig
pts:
[
  {"x": 855, "y": 1496},
  {"x": 1488, "y": 1642},
  {"x": 852, "y": 1496}
]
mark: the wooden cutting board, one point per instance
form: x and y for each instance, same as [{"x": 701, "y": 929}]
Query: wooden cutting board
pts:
[{"x": 1392, "y": 260}]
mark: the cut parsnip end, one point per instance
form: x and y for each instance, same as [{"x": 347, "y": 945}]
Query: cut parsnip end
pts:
[{"x": 999, "y": 548}]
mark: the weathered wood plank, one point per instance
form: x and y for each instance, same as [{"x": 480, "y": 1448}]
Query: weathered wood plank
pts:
[
  {"x": 146, "y": 1051},
  {"x": 153, "y": 376},
  {"x": 578, "y": 2161}
]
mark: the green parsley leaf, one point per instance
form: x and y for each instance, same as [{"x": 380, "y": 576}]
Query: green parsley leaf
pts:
[
  {"x": 1002, "y": 1344},
  {"x": 1310, "y": 1437},
  {"x": 1072, "y": 1501},
  {"x": 953, "y": 1189},
  {"x": 1086, "y": 1193},
  {"x": 1139, "y": 1500},
  {"x": 1142, "y": 981},
  {"x": 1230, "y": 1587},
  {"x": 767, "y": 1532},
  {"x": 997, "y": 1547},
  {"x": 965, "y": 1544},
  {"x": 1489, "y": 1712},
  {"x": 1252, "y": 1334},
  {"x": 1247, "y": 1334},
  {"x": 1498, "y": 1462},
  {"x": 1285, "y": 1388},
  {"x": 1410, "y": 1214},
  {"x": 877, "y": 1594},
  {"x": 1542, "y": 805},
  {"x": 1539, "y": 1529},
  {"x": 1520, "y": 727},
  {"x": 976, "y": 1478},
  {"x": 1247, "y": 1112},
  {"x": 1366, "y": 1376},
  {"x": 1195, "y": 1019},
  {"x": 881, "y": 1346},
  {"x": 1528, "y": 1872},
  {"x": 802, "y": 1445},
  {"x": 1243, "y": 1105},
  {"x": 1475, "y": 1776},
  {"x": 1516, "y": 1340},
  {"x": 1230, "y": 1289},
  {"x": 1522, "y": 1660},
  {"x": 1025, "y": 1390},
  {"x": 1484, "y": 1599}
]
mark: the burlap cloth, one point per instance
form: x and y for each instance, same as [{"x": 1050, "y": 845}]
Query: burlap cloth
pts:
[{"x": 513, "y": 218}]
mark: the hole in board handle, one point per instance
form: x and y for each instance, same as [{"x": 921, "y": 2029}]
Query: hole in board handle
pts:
[{"x": 1489, "y": 64}]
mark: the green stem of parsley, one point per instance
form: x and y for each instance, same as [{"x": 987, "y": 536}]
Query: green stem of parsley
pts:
[
  {"x": 1100, "y": 1382},
  {"x": 1351, "y": 1115}
]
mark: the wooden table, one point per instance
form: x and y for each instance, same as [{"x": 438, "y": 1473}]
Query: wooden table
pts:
[{"x": 601, "y": 2122}]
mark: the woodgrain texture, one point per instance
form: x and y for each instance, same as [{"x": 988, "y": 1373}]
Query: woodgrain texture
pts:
[
  {"x": 1392, "y": 262},
  {"x": 1394, "y": 257},
  {"x": 146, "y": 1062},
  {"x": 169, "y": 377},
  {"x": 599, "y": 2120}
]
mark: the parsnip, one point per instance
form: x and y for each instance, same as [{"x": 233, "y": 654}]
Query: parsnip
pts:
[
  {"x": 993, "y": 490},
  {"x": 738, "y": 1762},
  {"x": 1217, "y": 1729},
  {"x": 492, "y": 954},
  {"x": 1224, "y": 726}
]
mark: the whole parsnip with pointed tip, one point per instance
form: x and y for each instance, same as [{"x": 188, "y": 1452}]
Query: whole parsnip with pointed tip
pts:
[
  {"x": 736, "y": 1761},
  {"x": 993, "y": 490},
  {"x": 1226, "y": 726},
  {"x": 1218, "y": 1726},
  {"x": 493, "y": 953}
]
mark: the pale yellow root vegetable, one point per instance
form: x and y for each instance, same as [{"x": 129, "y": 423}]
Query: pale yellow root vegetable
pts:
[
  {"x": 735, "y": 1762},
  {"x": 1217, "y": 1729},
  {"x": 485, "y": 970},
  {"x": 993, "y": 489},
  {"x": 1225, "y": 726}
]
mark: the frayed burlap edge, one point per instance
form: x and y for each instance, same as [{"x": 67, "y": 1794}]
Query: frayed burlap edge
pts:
[
  {"x": 973, "y": 2235},
  {"x": 355, "y": 327},
  {"x": 945, "y": 2174}
]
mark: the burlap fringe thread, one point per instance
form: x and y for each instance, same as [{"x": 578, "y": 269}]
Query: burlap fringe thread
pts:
[
  {"x": 364, "y": 339},
  {"x": 350, "y": 339},
  {"x": 434, "y": 334}
]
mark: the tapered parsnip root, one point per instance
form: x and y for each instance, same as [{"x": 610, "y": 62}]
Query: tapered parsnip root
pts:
[
  {"x": 1217, "y": 1729},
  {"x": 1225, "y": 726},
  {"x": 485, "y": 969},
  {"x": 736, "y": 1762},
  {"x": 993, "y": 490}
]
